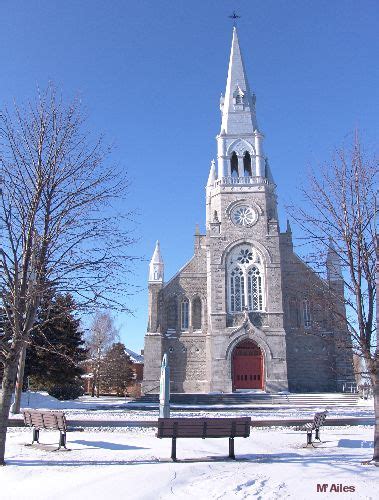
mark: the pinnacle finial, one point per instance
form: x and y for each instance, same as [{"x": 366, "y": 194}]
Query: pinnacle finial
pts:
[{"x": 212, "y": 174}]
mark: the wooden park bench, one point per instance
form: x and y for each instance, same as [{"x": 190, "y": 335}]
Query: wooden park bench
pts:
[
  {"x": 54, "y": 420},
  {"x": 203, "y": 428},
  {"x": 318, "y": 422}
]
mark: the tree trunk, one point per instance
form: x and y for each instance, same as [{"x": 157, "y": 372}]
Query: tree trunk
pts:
[
  {"x": 15, "y": 408},
  {"x": 375, "y": 382},
  {"x": 9, "y": 380},
  {"x": 94, "y": 382}
]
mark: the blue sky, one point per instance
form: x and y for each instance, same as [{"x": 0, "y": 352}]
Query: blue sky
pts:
[{"x": 151, "y": 72}]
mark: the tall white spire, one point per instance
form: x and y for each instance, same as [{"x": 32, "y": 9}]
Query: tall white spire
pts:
[
  {"x": 238, "y": 105},
  {"x": 156, "y": 267},
  {"x": 239, "y": 128}
]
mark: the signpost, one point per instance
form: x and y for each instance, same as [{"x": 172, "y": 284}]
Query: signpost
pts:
[{"x": 164, "y": 390}]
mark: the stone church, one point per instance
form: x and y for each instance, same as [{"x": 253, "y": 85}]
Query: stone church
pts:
[{"x": 245, "y": 312}]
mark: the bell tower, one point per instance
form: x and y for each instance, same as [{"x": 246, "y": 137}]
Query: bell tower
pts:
[{"x": 243, "y": 259}]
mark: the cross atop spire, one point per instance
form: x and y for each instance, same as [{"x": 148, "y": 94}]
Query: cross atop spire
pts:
[{"x": 234, "y": 16}]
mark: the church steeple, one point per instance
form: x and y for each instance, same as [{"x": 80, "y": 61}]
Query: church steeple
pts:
[
  {"x": 240, "y": 149},
  {"x": 238, "y": 105}
]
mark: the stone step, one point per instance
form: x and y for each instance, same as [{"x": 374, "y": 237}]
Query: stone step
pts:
[{"x": 329, "y": 399}]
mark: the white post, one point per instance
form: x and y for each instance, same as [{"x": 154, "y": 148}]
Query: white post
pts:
[{"x": 164, "y": 389}]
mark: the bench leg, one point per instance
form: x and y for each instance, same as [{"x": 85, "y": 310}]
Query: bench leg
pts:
[
  {"x": 309, "y": 439},
  {"x": 35, "y": 435},
  {"x": 62, "y": 441},
  {"x": 317, "y": 435},
  {"x": 231, "y": 448},
  {"x": 173, "y": 449}
]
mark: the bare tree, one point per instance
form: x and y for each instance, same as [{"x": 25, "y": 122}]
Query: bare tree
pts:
[
  {"x": 100, "y": 338},
  {"x": 58, "y": 223},
  {"x": 339, "y": 218}
]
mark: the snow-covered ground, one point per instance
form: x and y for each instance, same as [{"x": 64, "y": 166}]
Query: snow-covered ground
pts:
[
  {"x": 130, "y": 462},
  {"x": 112, "y": 408},
  {"x": 133, "y": 464}
]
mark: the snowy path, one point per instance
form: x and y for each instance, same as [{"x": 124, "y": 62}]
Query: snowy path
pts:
[{"x": 134, "y": 464}]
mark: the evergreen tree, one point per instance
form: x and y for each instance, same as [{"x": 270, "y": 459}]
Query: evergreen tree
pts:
[
  {"x": 56, "y": 345},
  {"x": 117, "y": 371}
]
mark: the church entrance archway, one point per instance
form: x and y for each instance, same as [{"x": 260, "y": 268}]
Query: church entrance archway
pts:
[{"x": 247, "y": 366}]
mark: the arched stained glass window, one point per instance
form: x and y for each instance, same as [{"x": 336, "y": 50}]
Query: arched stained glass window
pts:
[
  {"x": 196, "y": 313},
  {"x": 254, "y": 289},
  {"x": 184, "y": 314},
  {"x": 307, "y": 313},
  {"x": 237, "y": 290},
  {"x": 172, "y": 313},
  {"x": 245, "y": 279},
  {"x": 294, "y": 313}
]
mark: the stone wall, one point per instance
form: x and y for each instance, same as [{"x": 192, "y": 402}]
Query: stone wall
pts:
[{"x": 313, "y": 359}]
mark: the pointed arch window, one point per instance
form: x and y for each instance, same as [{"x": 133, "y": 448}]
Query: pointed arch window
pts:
[
  {"x": 237, "y": 290},
  {"x": 307, "y": 314},
  {"x": 184, "y": 314},
  {"x": 245, "y": 278},
  {"x": 247, "y": 164},
  {"x": 254, "y": 289},
  {"x": 172, "y": 314},
  {"x": 234, "y": 165},
  {"x": 294, "y": 313},
  {"x": 239, "y": 96},
  {"x": 196, "y": 313}
]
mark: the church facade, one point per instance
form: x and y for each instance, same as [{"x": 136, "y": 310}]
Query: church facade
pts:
[{"x": 245, "y": 312}]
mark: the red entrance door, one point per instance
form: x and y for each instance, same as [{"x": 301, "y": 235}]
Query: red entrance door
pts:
[{"x": 247, "y": 363}]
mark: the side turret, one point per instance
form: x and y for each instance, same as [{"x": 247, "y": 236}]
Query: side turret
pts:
[
  {"x": 156, "y": 277},
  {"x": 156, "y": 267},
  {"x": 333, "y": 264},
  {"x": 335, "y": 280}
]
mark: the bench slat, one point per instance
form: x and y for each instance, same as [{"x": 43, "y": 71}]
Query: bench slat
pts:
[
  {"x": 45, "y": 420},
  {"x": 204, "y": 427},
  {"x": 193, "y": 434}
]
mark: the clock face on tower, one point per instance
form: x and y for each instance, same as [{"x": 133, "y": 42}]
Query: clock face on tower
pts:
[{"x": 244, "y": 215}]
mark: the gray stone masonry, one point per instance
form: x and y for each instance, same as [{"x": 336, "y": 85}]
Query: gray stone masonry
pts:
[{"x": 245, "y": 311}]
